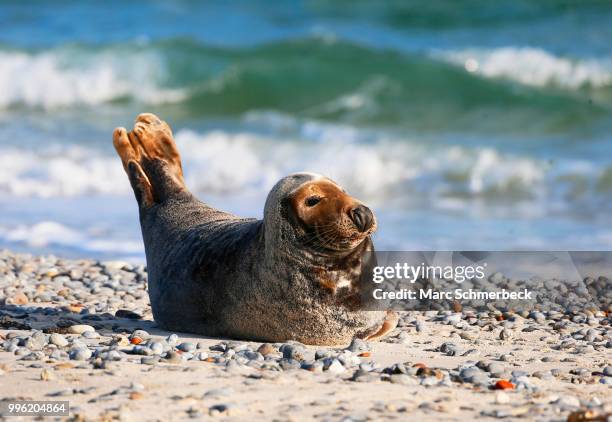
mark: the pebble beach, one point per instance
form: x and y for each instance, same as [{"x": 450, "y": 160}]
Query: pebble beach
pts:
[{"x": 82, "y": 331}]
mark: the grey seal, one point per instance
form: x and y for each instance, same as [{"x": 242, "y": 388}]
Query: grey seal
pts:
[{"x": 292, "y": 276}]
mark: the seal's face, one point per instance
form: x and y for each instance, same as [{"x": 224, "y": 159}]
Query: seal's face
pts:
[{"x": 332, "y": 219}]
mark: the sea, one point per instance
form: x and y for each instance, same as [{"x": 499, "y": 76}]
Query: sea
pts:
[{"x": 465, "y": 124}]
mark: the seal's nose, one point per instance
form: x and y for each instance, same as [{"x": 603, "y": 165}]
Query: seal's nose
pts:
[{"x": 362, "y": 217}]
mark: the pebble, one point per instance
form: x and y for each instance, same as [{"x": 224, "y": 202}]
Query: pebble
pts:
[
  {"x": 316, "y": 366},
  {"x": 359, "y": 346},
  {"x": 141, "y": 334},
  {"x": 322, "y": 354},
  {"x": 336, "y": 367},
  {"x": 291, "y": 351},
  {"x": 172, "y": 339},
  {"x": 18, "y": 298},
  {"x": 496, "y": 369},
  {"x": 58, "y": 339},
  {"x": 502, "y": 398},
  {"x": 80, "y": 328},
  {"x": 266, "y": 349},
  {"x": 90, "y": 335},
  {"x": 36, "y": 341},
  {"x": 505, "y": 334},
  {"x": 149, "y": 360},
  {"x": 450, "y": 349},
  {"x": 474, "y": 375},
  {"x": 156, "y": 348},
  {"x": 125, "y": 313},
  {"x": 186, "y": 347},
  {"x": 288, "y": 364},
  {"x": 80, "y": 354}
]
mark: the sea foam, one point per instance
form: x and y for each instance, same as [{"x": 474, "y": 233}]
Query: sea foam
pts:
[
  {"x": 60, "y": 78},
  {"x": 532, "y": 66},
  {"x": 223, "y": 163}
]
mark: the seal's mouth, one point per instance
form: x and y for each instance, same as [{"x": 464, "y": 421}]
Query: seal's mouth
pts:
[{"x": 342, "y": 236}]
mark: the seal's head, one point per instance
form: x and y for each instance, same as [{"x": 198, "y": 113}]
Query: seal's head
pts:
[
  {"x": 331, "y": 217},
  {"x": 318, "y": 213}
]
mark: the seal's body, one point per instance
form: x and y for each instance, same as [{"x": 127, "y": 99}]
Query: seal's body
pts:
[{"x": 292, "y": 276}]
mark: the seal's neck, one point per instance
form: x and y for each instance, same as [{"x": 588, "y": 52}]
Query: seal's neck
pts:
[{"x": 296, "y": 255}]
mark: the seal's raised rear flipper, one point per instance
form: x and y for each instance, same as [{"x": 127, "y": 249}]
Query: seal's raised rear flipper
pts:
[{"x": 150, "y": 159}]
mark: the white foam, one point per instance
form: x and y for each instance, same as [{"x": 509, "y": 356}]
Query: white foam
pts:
[
  {"x": 60, "y": 171},
  {"x": 223, "y": 163},
  {"x": 532, "y": 66},
  {"x": 62, "y": 78},
  {"x": 50, "y": 233}
]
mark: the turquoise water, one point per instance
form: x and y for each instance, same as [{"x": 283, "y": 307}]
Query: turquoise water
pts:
[{"x": 465, "y": 125}]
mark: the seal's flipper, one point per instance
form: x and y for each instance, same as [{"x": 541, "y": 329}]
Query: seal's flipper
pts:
[
  {"x": 151, "y": 159},
  {"x": 389, "y": 325},
  {"x": 138, "y": 179}
]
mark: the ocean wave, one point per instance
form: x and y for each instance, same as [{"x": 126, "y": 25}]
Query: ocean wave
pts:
[
  {"x": 376, "y": 170},
  {"x": 45, "y": 234},
  {"x": 72, "y": 77},
  {"x": 533, "y": 66},
  {"x": 312, "y": 78}
]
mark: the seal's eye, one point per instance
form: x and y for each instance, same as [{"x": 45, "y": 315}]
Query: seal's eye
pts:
[{"x": 311, "y": 201}]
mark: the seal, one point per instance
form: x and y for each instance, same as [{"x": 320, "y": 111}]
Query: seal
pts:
[{"x": 292, "y": 276}]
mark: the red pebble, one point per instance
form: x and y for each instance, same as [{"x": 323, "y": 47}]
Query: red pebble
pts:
[{"x": 504, "y": 385}]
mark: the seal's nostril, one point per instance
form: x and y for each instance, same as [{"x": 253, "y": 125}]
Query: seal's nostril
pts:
[{"x": 362, "y": 217}]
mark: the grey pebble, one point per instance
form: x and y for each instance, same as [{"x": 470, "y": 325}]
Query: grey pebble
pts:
[
  {"x": 149, "y": 360},
  {"x": 36, "y": 341},
  {"x": 58, "y": 339},
  {"x": 90, "y": 335},
  {"x": 358, "y": 346},
  {"x": 291, "y": 351},
  {"x": 322, "y": 354},
  {"x": 288, "y": 364},
  {"x": 201, "y": 356},
  {"x": 450, "y": 349},
  {"x": 172, "y": 339},
  {"x": 156, "y": 348},
  {"x": 335, "y": 367},
  {"x": 80, "y": 354},
  {"x": 186, "y": 347}
]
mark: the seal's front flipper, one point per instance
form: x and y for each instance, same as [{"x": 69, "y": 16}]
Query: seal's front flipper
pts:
[
  {"x": 151, "y": 160},
  {"x": 389, "y": 325}
]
